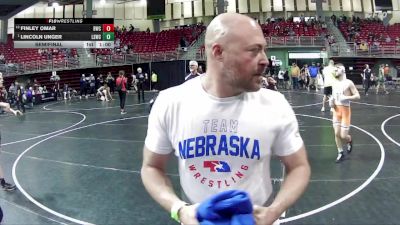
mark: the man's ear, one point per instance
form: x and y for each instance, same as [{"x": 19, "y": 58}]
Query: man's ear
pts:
[{"x": 216, "y": 51}]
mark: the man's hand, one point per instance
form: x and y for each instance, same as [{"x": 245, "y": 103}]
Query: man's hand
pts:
[
  {"x": 266, "y": 215},
  {"x": 187, "y": 215}
]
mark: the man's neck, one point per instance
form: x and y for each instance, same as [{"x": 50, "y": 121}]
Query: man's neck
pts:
[{"x": 212, "y": 86}]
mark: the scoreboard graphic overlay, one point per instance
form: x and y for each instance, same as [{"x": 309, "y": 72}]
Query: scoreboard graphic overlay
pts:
[{"x": 64, "y": 33}]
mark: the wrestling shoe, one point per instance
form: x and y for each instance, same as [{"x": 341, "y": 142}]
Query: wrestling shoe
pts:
[
  {"x": 340, "y": 157},
  {"x": 349, "y": 146},
  {"x": 8, "y": 187}
]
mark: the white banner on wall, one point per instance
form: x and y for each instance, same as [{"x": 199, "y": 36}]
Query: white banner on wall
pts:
[
  {"x": 309, "y": 55},
  {"x": 176, "y": 1}
]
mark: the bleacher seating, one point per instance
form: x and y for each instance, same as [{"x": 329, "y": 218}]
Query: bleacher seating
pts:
[
  {"x": 146, "y": 42},
  {"x": 300, "y": 29},
  {"x": 377, "y": 29}
]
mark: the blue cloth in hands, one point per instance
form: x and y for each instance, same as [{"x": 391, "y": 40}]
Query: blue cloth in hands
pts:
[{"x": 231, "y": 207}]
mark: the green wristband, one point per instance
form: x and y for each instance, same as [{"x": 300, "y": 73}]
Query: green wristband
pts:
[{"x": 175, "y": 210}]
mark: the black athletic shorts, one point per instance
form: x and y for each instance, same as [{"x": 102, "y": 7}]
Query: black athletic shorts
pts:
[{"x": 328, "y": 91}]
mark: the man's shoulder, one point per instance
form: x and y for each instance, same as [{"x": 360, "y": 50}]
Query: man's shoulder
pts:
[
  {"x": 350, "y": 82},
  {"x": 269, "y": 93},
  {"x": 268, "y": 96},
  {"x": 180, "y": 91}
]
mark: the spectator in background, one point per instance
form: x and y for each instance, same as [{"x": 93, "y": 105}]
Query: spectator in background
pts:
[
  {"x": 281, "y": 78},
  {"x": 120, "y": 84},
  {"x": 182, "y": 42},
  {"x": 99, "y": 81},
  {"x": 134, "y": 82},
  {"x": 20, "y": 97},
  {"x": 29, "y": 97},
  {"x": 366, "y": 76},
  {"x": 295, "y": 70},
  {"x": 126, "y": 49},
  {"x": 154, "y": 80},
  {"x": 2, "y": 59},
  {"x": 118, "y": 45},
  {"x": 66, "y": 92},
  {"x": 286, "y": 78},
  {"x": 305, "y": 76},
  {"x": 386, "y": 71},
  {"x": 110, "y": 82},
  {"x": 56, "y": 87},
  {"x": 12, "y": 90},
  {"x": 364, "y": 46},
  {"x": 141, "y": 79},
  {"x": 118, "y": 29},
  {"x": 388, "y": 39},
  {"x": 83, "y": 87},
  {"x": 131, "y": 28},
  {"x": 3, "y": 92},
  {"x": 375, "y": 45},
  {"x": 99, "y": 60},
  {"x": 291, "y": 32},
  {"x": 130, "y": 47},
  {"x": 36, "y": 85},
  {"x": 92, "y": 85},
  {"x": 193, "y": 66},
  {"x": 313, "y": 77},
  {"x": 381, "y": 79}
]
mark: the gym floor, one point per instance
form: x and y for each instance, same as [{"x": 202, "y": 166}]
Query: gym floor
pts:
[{"x": 78, "y": 162}]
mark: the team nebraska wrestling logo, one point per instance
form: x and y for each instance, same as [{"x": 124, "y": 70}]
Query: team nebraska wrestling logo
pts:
[{"x": 217, "y": 166}]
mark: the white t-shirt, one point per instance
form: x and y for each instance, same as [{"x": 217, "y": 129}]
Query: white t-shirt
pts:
[
  {"x": 222, "y": 143},
  {"x": 329, "y": 76}
]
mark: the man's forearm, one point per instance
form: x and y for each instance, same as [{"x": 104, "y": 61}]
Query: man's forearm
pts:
[
  {"x": 159, "y": 186},
  {"x": 353, "y": 97}
]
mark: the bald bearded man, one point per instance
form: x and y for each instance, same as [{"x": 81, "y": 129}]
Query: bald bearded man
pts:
[{"x": 215, "y": 125}]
